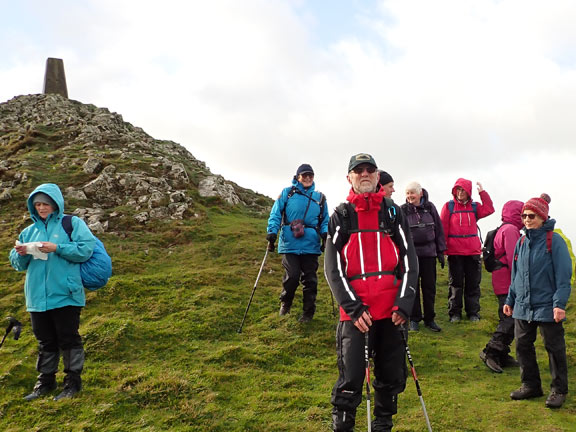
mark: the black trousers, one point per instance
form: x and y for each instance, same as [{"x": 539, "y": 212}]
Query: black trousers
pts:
[
  {"x": 387, "y": 348},
  {"x": 553, "y": 336},
  {"x": 426, "y": 284},
  {"x": 465, "y": 276},
  {"x": 300, "y": 268},
  {"x": 57, "y": 329},
  {"x": 499, "y": 344}
]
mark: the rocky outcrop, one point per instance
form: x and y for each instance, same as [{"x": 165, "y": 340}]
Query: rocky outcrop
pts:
[{"x": 116, "y": 169}]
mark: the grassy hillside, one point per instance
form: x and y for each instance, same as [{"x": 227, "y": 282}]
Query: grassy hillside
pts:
[{"x": 163, "y": 352}]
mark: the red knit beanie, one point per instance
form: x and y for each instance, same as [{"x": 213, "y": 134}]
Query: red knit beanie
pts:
[{"x": 538, "y": 205}]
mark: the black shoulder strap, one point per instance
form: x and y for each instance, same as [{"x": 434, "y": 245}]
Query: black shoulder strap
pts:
[
  {"x": 67, "y": 225},
  {"x": 293, "y": 190}
]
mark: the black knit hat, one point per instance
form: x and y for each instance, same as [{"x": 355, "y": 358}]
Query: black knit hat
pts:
[{"x": 385, "y": 178}]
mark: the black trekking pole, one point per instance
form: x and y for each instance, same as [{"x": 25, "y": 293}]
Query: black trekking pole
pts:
[
  {"x": 367, "y": 358},
  {"x": 253, "y": 290},
  {"x": 402, "y": 331},
  {"x": 15, "y": 327}
]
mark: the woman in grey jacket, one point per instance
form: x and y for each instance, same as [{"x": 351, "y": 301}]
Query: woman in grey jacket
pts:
[{"x": 538, "y": 294}]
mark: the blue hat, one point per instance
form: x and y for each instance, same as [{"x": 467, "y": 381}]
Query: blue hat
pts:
[{"x": 304, "y": 168}]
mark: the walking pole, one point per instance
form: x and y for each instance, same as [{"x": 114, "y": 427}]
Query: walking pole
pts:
[
  {"x": 253, "y": 290},
  {"x": 333, "y": 308},
  {"x": 367, "y": 358},
  {"x": 402, "y": 331}
]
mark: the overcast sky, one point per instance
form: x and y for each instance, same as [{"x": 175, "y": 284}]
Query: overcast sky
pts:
[{"x": 435, "y": 90}]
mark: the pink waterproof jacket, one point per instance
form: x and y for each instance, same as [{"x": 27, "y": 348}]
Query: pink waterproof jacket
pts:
[
  {"x": 460, "y": 227},
  {"x": 504, "y": 243}
]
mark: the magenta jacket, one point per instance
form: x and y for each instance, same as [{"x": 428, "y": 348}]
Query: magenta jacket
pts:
[
  {"x": 460, "y": 228},
  {"x": 504, "y": 243}
]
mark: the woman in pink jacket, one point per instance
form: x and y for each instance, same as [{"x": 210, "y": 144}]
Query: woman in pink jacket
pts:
[
  {"x": 497, "y": 352},
  {"x": 463, "y": 247}
]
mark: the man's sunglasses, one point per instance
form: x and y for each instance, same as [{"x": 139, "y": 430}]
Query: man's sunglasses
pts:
[
  {"x": 529, "y": 216},
  {"x": 360, "y": 169}
]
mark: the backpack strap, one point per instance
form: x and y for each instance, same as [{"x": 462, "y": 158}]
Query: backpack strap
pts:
[
  {"x": 474, "y": 210},
  {"x": 549, "y": 235},
  {"x": 67, "y": 225}
]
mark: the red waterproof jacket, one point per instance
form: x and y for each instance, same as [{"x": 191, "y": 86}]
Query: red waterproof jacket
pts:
[
  {"x": 460, "y": 227},
  {"x": 504, "y": 244},
  {"x": 367, "y": 268}
]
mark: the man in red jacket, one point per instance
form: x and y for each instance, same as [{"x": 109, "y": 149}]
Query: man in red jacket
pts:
[
  {"x": 371, "y": 267},
  {"x": 463, "y": 247}
]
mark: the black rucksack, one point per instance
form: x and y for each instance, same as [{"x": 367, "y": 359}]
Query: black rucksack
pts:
[{"x": 491, "y": 262}]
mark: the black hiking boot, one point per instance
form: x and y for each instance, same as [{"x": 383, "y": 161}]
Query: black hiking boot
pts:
[
  {"x": 41, "y": 389},
  {"x": 507, "y": 360},
  {"x": 305, "y": 318},
  {"x": 526, "y": 392},
  {"x": 432, "y": 326},
  {"x": 284, "y": 309},
  {"x": 490, "y": 361}
]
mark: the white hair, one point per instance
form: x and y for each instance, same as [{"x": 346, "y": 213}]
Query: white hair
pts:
[{"x": 414, "y": 186}]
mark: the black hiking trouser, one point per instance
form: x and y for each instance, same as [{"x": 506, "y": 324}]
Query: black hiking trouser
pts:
[
  {"x": 553, "y": 336},
  {"x": 465, "y": 275},
  {"x": 387, "y": 350},
  {"x": 57, "y": 330},
  {"x": 426, "y": 284},
  {"x": 499, "y": 345},
  {"x": 300, "y": 268}
]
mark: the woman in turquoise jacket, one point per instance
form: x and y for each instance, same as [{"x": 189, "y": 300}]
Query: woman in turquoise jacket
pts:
[
  {"x": 539, "y": 291},
  {"x": 53, "y": 288},
  {"x": 301, "y": 215}
]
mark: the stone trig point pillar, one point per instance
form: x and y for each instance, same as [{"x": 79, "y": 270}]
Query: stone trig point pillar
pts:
[{"x": 55, "y": 79}]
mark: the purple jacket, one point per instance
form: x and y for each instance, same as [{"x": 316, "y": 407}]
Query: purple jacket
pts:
[
  {"x": 504, "y": 243},
  {"x": 425, "y": 227}
]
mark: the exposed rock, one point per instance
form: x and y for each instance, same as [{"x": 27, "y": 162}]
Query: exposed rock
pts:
[
  {"x": 215, "y": 185},
  {"x": 151, "y": 178}
]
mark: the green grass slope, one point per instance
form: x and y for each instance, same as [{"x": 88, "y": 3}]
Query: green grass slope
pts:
[{"x": 163, "y": 352}]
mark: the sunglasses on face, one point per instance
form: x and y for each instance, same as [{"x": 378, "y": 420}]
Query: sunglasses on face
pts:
[
  {"x": 360, "y": 169},
  {"x": 529, "y": 216},
  {"x": 310, "y": 175}
]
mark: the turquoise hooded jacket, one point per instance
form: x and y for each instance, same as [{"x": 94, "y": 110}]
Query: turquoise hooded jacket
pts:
[{"x": 55, "y": 282}]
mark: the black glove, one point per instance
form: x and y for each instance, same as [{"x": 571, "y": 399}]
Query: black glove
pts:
[
  {"x": 323, "y": 236},
  {"x": 441, "y": 260},
  {"x": 271, "y": 237}
]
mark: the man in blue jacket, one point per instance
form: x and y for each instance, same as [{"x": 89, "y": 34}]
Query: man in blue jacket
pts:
[
  {"x": 53, "y": 288},
  {"x": 301, "y": 215}
]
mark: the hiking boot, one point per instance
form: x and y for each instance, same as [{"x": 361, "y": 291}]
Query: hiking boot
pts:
[
  {"x": 507, "y": 360},
  {"x": 67, "y": 393},
  {"x": 414, "y": 326},
  {"x": 491, "y": 362},
  {"x": 474, "y": 317},
  {"x": 455, "y": 318},
  {"x": 432, "y": 326},
  {"x": 525, "y": 392},
  {"x": 555, "y": 399},
  {"x": 41, "y": 389},
  {"x": 382, "y": 424},
  {"x": 305, "y": 318},
  {"x": 284, "y": 309}
]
